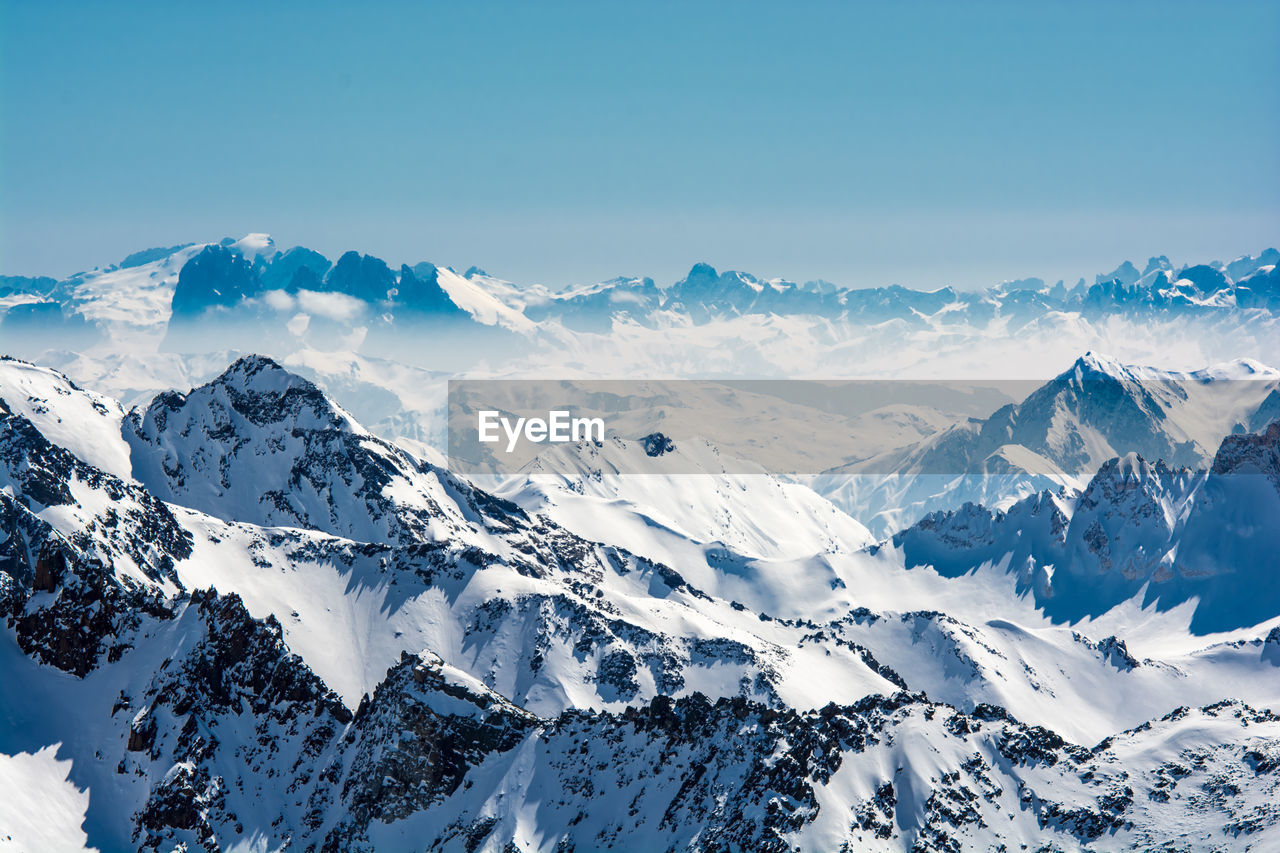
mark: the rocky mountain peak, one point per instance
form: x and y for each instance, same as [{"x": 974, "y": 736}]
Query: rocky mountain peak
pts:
[
  {"x": 362, "y": 276},
  {"x": 1128, "y": 475},
  {"x": 1097, "y": 366},
  {"x": 1251, "y": 453},
  {"x": 217, "y": 276}
]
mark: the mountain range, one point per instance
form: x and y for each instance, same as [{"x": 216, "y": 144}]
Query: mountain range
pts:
[
  {"x": 234, "y": 617},
  {"x": 248, "y": 284},
  {"x": 248, "y": 606}
]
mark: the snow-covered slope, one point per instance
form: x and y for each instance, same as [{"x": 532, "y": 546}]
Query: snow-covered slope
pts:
[
  {"x": 473, "y": 298},
  {"x": 692, "y": 489},
  {"x": 738, "y": 536},
  {"x": 134, "y": 302},
  {"x": 86, "y": 423},
  {"x": 41, "y": 810}
]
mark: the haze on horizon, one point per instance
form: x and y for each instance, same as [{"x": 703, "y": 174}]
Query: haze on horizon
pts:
[{"x": 923, "y": 143}]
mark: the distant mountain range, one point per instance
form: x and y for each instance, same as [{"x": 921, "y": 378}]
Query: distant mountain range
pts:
[
  {"x": 1058, "y": 437},
  {"x": 204, "y": 292}
]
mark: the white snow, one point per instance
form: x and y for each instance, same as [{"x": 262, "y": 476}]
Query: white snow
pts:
[
  {"x": 471, "y": 296},
  {"x": 41, "y": 811},
  {"x": 84, "y": 422}
]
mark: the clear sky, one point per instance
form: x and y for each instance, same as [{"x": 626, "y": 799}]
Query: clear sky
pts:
[{"x": 864, "y": 143}]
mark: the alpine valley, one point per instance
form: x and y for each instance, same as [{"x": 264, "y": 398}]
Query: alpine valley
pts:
[{"x": 246, "y": 605}]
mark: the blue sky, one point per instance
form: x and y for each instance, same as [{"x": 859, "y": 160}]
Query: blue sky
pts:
[{"x": 864, "y": 143}]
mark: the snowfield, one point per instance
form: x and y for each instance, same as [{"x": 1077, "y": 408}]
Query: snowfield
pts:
[{"x": 41, "y": 809}]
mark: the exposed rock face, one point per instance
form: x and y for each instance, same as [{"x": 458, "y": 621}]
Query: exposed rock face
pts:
[
  {"x": 216, "y": 277},
  {"x": 1251, "y": 454},
  {"x": 420, "y": 293},
  {"x": 363, "y": 276},
  {"x": 415, "y": 741},
  {"x": 656, "y": 444},
  {"x": 294, "y": 270}
]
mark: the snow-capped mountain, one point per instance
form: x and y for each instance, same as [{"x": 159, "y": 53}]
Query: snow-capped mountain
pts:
[
  {"x": 261, "y": 445},
  {"x": 243, "y": 293},
  {"x": 1057, "y": 437},
  {"x": 244, "y": 619},
  {"x": 1137, "y": 530}
]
